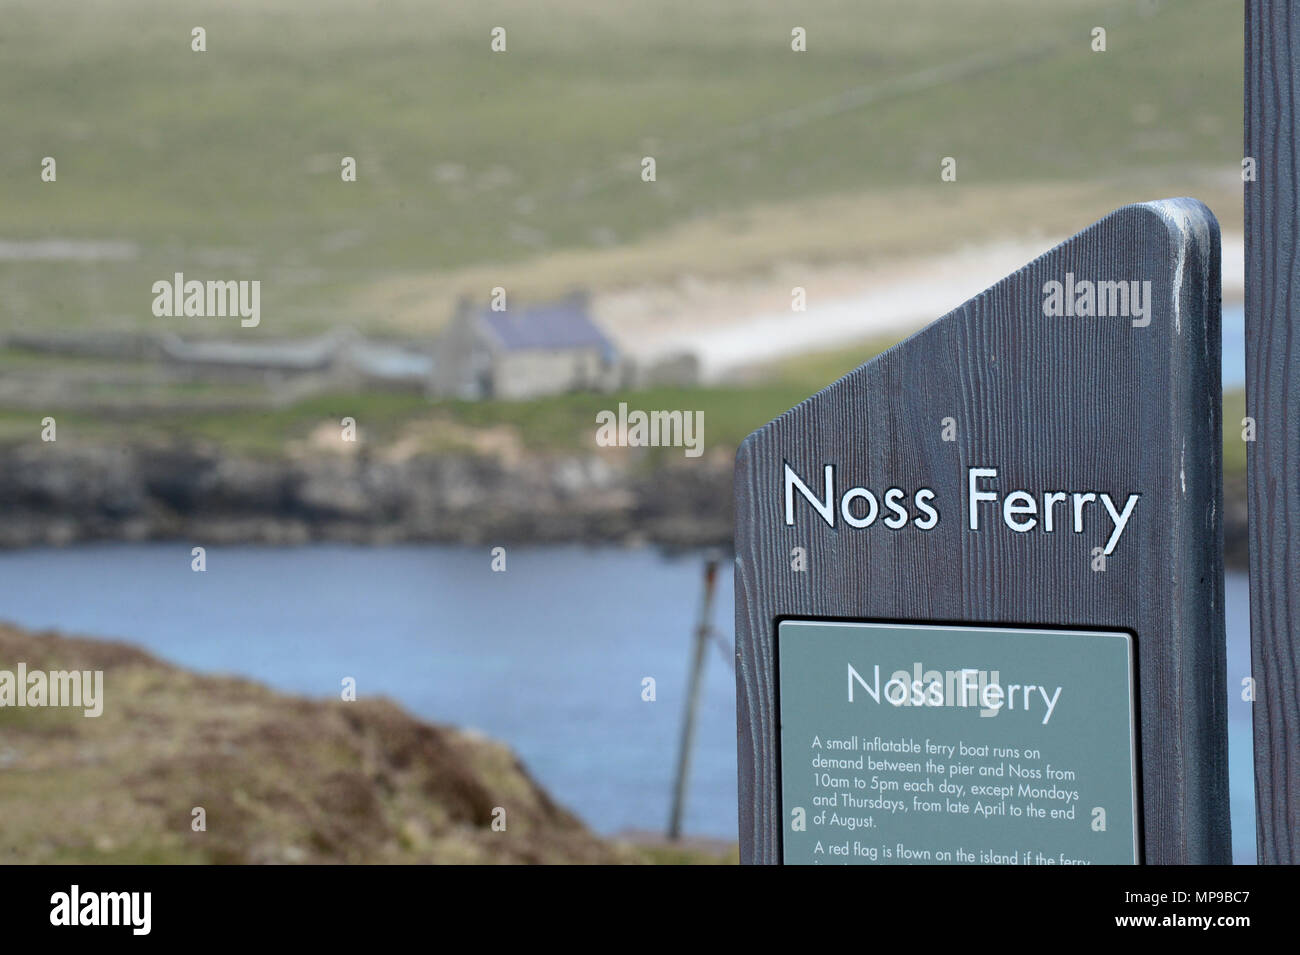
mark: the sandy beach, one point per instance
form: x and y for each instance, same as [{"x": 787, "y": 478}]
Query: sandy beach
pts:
[{"x": 738, "y": 323}]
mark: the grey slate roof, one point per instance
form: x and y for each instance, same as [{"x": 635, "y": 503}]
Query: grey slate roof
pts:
[{"x": 556, "y": 326}]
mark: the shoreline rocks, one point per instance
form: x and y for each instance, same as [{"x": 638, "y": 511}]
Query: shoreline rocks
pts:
[{"x": 57, "y": 495}]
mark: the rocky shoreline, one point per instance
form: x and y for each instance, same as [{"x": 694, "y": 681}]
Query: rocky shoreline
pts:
[{"x": 59, "y": 495}]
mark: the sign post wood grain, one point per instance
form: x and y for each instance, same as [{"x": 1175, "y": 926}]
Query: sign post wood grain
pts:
[
  {"x": 1273, "y": 401},
  {"x": 979, "y": 580}
]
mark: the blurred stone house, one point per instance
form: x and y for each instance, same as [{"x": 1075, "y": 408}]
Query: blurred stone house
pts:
[{"x": 525, "y": 352}]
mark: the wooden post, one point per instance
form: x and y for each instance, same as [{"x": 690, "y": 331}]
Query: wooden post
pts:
[
  {"x": 1272, "y": 186},
  {"x": 693, "y": 689},
  {"x": 916, "y": 496}
]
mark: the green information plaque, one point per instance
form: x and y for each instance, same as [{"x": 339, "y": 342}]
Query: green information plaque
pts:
[{"x": 907, "y": 743}]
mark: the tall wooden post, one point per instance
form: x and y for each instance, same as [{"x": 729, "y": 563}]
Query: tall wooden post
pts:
[{"x": 1272, "y": 187}]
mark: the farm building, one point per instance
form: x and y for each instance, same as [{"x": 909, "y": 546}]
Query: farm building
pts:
[
  {"x": 339, "y": 360},
  {"x": 525, "y": 352}
]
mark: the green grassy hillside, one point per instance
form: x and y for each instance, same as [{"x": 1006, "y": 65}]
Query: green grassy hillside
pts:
[{"x": 473, "y": 165}]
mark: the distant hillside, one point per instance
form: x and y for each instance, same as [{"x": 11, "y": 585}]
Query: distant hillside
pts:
[
  {"x": 281, "y": 779},
  {"x": 523, "y": 168}
]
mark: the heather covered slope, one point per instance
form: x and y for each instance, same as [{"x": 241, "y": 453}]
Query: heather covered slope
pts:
[{"x": 281, "y": 779}]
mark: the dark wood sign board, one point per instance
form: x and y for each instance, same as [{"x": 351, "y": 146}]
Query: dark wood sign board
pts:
[
  {"x": 1273, "y": 400},
  {"x": 1031, "y": 387}
]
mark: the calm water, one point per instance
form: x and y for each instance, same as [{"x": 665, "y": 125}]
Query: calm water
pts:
[
  {"x": 1234, "y": 347},
  {"x": 548, "y": 656}
]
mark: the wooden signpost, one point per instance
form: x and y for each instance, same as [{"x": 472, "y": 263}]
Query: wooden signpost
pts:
[
  {"x": 979, "y": 582},
  {"x": 1272, "y": 184}
]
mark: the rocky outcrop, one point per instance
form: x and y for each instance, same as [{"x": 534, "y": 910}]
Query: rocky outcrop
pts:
[{"x": 56, "y": 494}]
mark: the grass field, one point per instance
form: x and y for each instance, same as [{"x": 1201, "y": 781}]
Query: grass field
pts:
[{"x": 522, "y": 168}]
